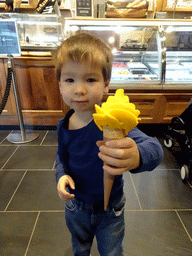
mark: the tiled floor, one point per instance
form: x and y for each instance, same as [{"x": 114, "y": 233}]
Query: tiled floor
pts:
[{"x": 158, "y": 210}]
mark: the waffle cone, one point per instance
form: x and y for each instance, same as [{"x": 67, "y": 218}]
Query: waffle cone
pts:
[{"x": 108, "y": 179}]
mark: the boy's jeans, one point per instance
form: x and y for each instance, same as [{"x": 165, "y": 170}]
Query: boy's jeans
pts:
[{"x": 85, "y": 222}]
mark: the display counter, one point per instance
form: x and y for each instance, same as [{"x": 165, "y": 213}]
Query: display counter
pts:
[
  {"x": 148, "y": 54},
  {"x": 152, "y": 63},
  {"x": 37, "y": 32}
]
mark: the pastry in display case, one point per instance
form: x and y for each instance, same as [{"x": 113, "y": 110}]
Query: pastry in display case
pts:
[
  {"x": 38, "y": 32},
  {"x": 134, "y": 62},
  {"x": 126, "y": 9}
]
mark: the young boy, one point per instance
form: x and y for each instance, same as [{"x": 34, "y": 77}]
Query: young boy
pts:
[{"x": 83, "y": 65}]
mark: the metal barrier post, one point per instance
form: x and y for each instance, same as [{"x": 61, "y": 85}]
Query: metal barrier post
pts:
[{"x": 21, "y": 137}]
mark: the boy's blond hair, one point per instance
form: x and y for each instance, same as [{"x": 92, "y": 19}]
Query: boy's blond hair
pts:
[{"x": 84, "y": 47}]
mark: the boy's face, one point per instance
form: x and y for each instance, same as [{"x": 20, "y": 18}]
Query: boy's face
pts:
[{"x": 82, "y": 85}]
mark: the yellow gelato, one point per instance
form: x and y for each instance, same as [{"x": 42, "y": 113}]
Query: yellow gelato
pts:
[{"x": 117, "y": 113}]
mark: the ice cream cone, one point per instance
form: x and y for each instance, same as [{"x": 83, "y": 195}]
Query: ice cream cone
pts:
[
  {"x": 116, "y": 117},
  {"x": 108, "y": 179}
]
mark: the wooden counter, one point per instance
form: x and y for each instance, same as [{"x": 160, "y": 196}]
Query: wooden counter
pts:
[
  {"x": 41, "y": 102},
  {"x": 38, "y": 88}
]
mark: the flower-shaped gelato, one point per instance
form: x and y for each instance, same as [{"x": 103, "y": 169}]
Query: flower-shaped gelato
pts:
[{"x": 117, "y": 113}]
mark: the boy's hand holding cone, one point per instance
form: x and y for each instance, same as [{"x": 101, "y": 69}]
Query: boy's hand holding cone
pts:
[{"x": 115, "y": 118}]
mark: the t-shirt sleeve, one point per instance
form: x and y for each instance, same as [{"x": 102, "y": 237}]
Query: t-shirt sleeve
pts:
[
  {"x": 60, "y": 168},
  {"x": 60, "y": 164},
  {"x": 150, "y": 149}
]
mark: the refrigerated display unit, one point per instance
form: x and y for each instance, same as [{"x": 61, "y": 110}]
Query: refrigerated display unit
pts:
[{"x": 147, "y": 54}]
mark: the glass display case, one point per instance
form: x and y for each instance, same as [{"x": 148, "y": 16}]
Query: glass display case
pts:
[
  {"x": 178, "y": 45},
  {"x": 37, "y": 32},
  {"x": 147, "y": 54},
  {"x": 134, "y": 62}
]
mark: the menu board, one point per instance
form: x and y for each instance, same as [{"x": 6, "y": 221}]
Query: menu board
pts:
[
  {"x": 45, "y": 6},
  {"x": 84, "y": 8},
  {"x": 9, "y": 42}
]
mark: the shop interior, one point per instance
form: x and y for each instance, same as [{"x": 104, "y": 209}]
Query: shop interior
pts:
[{"x": 152, "y": 49}]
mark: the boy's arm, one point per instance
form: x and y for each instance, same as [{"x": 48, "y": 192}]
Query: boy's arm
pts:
[
  {"x": 151, "y": 152},
  {"x": 60, "y": 169},
  {"x": 60, "y": 161},
  {"x": 62, "y": 174},
  {"x": 136, "y": 153},
  {"x": 63, "y": 180}
]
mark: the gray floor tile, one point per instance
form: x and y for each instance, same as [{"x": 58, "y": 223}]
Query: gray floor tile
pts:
[
  {"x": 32, "y": 157},
  {"x": 51, "y": 138},
  {"x": 155, "y": 233},
  {"x": 174, "y": 157},
  {"x": 37, "y": 192},
  {"x": 34, "y": 142},
  {"x": 147, "y": 233},
  {"x": 3, "y": 135},
  {"x": 132, "y": 202},
  {"x": 9, "y": 181},
  {"x": 16, "y": 229},
  {"x": 51, "y": 237},
  {"x": 5, "y": 154},
  {"x": 162, "y": 189},
  {"x": 169, "y": 160},
  {"x": 186, "y": 217}
]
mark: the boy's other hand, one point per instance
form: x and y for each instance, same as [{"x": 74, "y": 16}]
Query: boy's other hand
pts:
[
  {"x": 63, "y": 182},
  {"x": 119, "y": 155}
]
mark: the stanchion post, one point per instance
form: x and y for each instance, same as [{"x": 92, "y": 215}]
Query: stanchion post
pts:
[{"x": 21, "y": 137}]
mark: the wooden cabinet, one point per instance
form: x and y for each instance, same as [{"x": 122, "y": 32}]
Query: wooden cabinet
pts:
[
  {"x": 10, "y": 108},
  {"x": 41, "y": 103},
  {"x": 38, "y": 89},
  {"x": 159, "y": 106}
]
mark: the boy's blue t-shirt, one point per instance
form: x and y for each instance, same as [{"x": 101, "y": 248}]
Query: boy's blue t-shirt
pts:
[{"x": 77, "y": 156}]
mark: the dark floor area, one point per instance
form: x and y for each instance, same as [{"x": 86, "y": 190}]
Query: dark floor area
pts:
[{"x": 158, "y": 209}]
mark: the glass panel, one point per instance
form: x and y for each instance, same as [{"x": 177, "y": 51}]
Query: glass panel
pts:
[
  {"x": 179, "y": 54},
  {"x": 9, "y": 44},
  {"x": 135, "y": 49},
  {"x": 38, "y": 31}
]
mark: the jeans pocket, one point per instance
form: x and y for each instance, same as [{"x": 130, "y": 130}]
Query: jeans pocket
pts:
[
  {"x": 70, "y": 205},
  {"x": 119, "y": 207}
]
